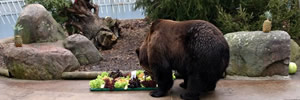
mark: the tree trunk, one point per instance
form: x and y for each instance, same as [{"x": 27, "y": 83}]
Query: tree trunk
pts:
[
  {"x": 80, "y": 75},
  {"x": 83, "y": 15}
]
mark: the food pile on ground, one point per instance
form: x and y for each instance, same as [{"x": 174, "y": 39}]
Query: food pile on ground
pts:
[{"x": 118, "y": 80}]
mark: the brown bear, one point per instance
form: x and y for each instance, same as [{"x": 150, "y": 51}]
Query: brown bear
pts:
[{"x": 196, "y": 49}]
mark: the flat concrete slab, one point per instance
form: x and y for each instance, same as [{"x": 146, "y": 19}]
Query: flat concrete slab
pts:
[{"x": 14, "y": 89}]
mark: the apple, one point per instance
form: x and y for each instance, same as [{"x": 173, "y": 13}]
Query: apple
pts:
[{"x": 292, "y": 68}]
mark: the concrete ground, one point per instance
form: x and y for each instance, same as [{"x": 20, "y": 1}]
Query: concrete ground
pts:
[{"x": 14, "y": 89}]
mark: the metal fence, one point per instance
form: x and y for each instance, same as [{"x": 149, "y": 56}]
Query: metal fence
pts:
[
  {"x": 9, "y": 10},
  {"x": 125, "y": 5},
  {"x": 120, "y": 9}
]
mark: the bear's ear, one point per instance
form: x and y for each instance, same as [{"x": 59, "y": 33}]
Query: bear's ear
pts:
[
  {"x": 154, "y": 24},
  {"x": 137, "y": 51}
]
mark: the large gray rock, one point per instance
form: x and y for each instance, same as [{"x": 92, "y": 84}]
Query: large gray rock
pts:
[
  {"x": 40, "y": 61},
  {"x": 258, "y": 54},
  {"x": 38, "y": 25},
  {"x": 83, "y": 49},
  {"x": 295, "y": 53},
  {"x": 2, "y": 65}
]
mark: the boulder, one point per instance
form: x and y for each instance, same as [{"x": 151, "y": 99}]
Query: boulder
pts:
[
  {"x": 258, "y": 54},
  {"x": 2, "y": 65},
  {"x": 39, "y": 61},
  {"x": 36, "y": 25},
  {"x": 83, "y": 49},
  {"x": 295, "y": 53}
]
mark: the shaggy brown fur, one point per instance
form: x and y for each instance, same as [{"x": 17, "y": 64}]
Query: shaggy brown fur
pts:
[{"x": 195, "y": 48}]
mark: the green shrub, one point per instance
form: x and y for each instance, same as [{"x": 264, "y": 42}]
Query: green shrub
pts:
[
  {"x": 234, "y": 22},
  {"x": 245, "y": 15},
  {"x": 179, "y": 9},
  {"x": 229, "y": 15},
  {"x": 286, "y": 15},
  {"x": 56, "y": 7}
]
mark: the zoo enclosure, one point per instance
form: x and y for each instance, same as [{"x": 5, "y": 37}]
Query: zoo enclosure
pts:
[{"x": 120, "y": 9}]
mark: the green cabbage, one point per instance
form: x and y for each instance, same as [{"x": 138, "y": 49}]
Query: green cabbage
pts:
[
  {"x": 97, "y": 83},
  {"x": 138, "y": 72},
  {"x": 103, "y": 74},
  {"x": 148, "y": 78},
  {"x": 122, "y": 83}
]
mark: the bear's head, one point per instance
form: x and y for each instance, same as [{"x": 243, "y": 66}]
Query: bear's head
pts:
[
  {"x": 142, "y": 52},
  {"x": 143, "y": 59}
]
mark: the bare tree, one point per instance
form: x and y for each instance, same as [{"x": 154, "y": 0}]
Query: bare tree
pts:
[{"x": 83, "y": 15}]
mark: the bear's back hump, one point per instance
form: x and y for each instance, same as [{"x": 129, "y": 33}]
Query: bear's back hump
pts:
[{"x": 180, "y": 27}]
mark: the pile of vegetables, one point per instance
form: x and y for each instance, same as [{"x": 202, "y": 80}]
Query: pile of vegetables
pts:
[{"x": 116, "y": 79}]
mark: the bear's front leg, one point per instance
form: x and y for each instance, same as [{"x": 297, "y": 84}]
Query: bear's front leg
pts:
[
  {"x": 163, "y": 77},
  {"x": 195, "y": 86}
]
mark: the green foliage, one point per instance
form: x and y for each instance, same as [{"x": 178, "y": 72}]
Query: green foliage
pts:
[
  {"x": 229, "y": 15},
  {"x": 234, "y": 22},
  {"x": 285, "y": 15},
  {"x": 179, "y": 9},
  {"x": 56, "y": 7}
]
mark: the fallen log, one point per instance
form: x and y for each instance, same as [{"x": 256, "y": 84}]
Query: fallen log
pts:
[
  {"x": 80, "y": 75},
  {"x": 84, "y": 75},
  {"x": 4, "y": 72},
  {"x": 93, "y": 75}
]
